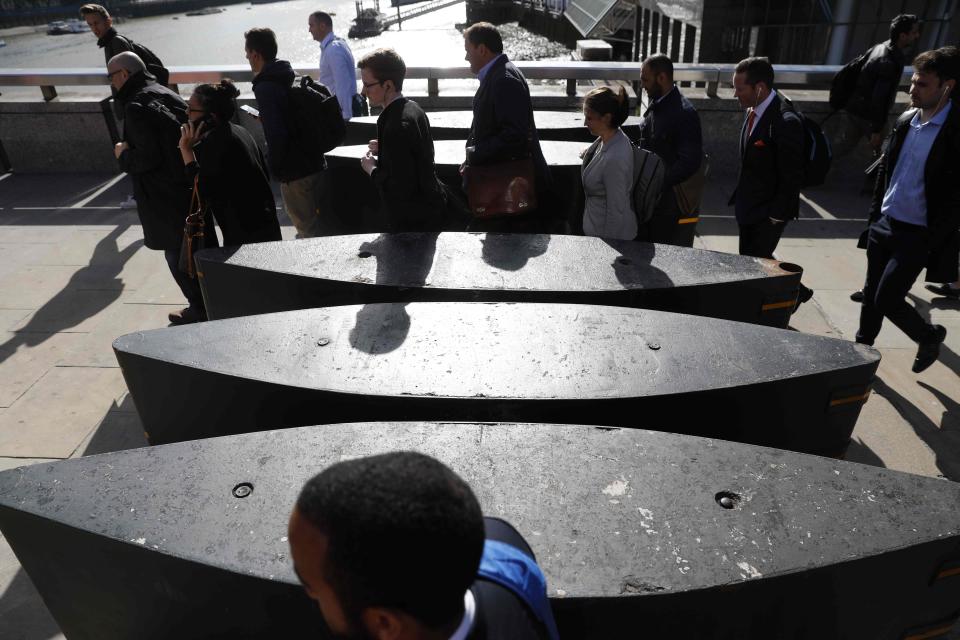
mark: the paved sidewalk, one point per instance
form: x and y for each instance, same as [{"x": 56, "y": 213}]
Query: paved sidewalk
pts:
[{"x": 73, "y": 278}]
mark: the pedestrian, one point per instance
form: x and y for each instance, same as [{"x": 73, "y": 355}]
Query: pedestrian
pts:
[
  {"x": 297, "y": 166},
  {"x": 607, "y": 171},
  {"x": 876, "y": 87},
  {"x": 915, "y": 215},
  {"x": 503, "y": 129},
  {"x": 152, "y": 117},
  {"x": 670, "y": 129},
  {"x": 400, "y": 160},
  {"x": 396, "y": 546},
  {"x": 337, "y": 70},
  {"x": 767, "y": 194},
  {"x": 228, "y": 167}
]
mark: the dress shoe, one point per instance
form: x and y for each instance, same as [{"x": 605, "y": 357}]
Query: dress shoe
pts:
[
  {"x": 188, "y": 315},
  {"x": 929, "y": 350},
  {"x": 944, "y": 290},
  {"x": 857, "y": 296}
]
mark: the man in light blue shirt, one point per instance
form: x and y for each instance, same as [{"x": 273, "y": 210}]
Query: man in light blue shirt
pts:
[
  {"x": 338, "y": 72},
  {"x": 916, "y": 207}
]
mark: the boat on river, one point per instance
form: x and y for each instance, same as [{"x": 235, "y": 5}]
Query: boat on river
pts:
[{"x": 64, "y": 27}]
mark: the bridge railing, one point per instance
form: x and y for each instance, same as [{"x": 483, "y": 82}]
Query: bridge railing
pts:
[{"x": 712, "y": 75}]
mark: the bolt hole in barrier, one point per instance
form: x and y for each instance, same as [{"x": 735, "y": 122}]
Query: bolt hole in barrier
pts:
[
  {"x": 364, "y": 254},
  {"x": 728, "y": 499},
  {"x": 242, "y": 490}
]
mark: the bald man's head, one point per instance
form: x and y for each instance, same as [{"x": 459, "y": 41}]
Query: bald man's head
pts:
[{"x": 122, "y": 66}]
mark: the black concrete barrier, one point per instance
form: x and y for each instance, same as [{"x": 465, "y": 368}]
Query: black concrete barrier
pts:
[
  {"x": 498, "y": 362},
  {"x": 455, "y": 125},
  {"x": 639, "y": 534},
  {"x": 463, "y": 267}
]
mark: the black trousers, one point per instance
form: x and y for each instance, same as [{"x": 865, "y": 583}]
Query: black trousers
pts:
[
  {"x": 662, "y": 227},
  {"x": 760, "y": 239},
  {"x": 189, "y": 286},
  {"x": 896, "y": 254}
]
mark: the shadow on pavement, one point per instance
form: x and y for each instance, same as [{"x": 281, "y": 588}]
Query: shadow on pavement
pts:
[
  {"x": 859, "y": 452},
  {"x": 61, "y": 311},
  {"x": 23, "y": 616}
]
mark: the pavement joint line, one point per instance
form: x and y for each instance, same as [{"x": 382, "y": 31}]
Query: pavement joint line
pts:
[
  {"x": 64, "y": 208},
  {"x": 823, "y": 213},
  {"x": 5, "y": 176},
  {"x": 830, "y": 219},
  {"x": 109, "y": 183}
]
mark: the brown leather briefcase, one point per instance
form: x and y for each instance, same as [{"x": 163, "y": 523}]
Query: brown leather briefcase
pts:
[{"x": 501, "y": 189}]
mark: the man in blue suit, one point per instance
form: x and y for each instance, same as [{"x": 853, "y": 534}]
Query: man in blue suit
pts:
[{"x": 503, "y": 127}]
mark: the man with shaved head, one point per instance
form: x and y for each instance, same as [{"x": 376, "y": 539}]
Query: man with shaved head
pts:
[{"x": 149, "y": 153}]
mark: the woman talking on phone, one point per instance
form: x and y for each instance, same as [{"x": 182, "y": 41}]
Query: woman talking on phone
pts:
[
  {"x": 228, "y": 167},
  {"x": 607, "y": 170}
]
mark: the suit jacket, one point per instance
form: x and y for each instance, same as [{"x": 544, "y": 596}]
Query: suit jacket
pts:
[
  {"x": 503, "y": 127},
  {"x": 941, "y": 177},
  {"x": 771, "y": 167},
  {"x": 410, "y": 193}
]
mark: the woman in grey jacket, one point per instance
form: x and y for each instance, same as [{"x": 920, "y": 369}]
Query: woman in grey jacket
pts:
[{"x": 607, "y": 170}]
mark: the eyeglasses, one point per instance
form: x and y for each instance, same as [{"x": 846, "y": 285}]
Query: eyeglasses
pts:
[
  {"x": 367, "y": 85},
  {"x": 113, "y": 73}
]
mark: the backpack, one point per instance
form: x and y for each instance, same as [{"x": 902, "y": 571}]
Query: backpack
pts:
[
  {"x": 648, "y": 173},
  {"x": 168, "y": 118},
  {"x": 316, "y": 114},
  {"x": 844, "y": 84},
  {"x": 154, "y": 64},
  {"x": 817, "y": 154}
]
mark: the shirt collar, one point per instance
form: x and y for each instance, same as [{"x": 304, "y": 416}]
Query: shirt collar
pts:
[
  {"x": 327, "y": 40},
  {"x": 760, "y": 108},
  {"x": 664, "y": 96},
  {"x": 469, "y": 613},
  {"x": 936, "y": 120},
  {"x": 486, "y": 68}
]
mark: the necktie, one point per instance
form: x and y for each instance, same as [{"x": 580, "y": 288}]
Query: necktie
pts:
[{"x": 750, "y": 119}]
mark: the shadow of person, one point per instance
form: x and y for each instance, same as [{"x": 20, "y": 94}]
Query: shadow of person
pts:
[
  {"x": 404, "y": 260},
  {"x": 947, "y": 357},
  {"x": 23, "y": 613},
  {"x": 861, "y": 453},
  {"x": 943, "y": 443},
  {"x": 64, "y": 310},
  {"x": 945, "y": 303},
  {"x": 634, "y": 266},
  {"x": 512, "y": 251}
]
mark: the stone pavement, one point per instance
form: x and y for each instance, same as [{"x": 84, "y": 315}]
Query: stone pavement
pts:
[{"x": 74, "y": 275}]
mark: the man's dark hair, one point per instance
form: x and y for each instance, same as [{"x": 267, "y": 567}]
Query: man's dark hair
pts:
[
  {"x": 942, "y": 62},
  {"x": 323, "y": 18},
  {"x": 757, "y": 70},
  {"x": 903, "y": 23},
  {"x": 385, "y": 64},
  {"x": 403, "y": 531},
  {"x": 263, "y": 41},
  {"x": 100, "y": 10},
  {"x": 484, "y": 33},
  {"x": 660, "y": 63}
]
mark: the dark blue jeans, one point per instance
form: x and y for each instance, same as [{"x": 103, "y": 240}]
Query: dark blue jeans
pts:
[{"x": 896, "y": 254}]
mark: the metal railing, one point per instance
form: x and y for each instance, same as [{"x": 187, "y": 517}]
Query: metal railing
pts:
[{"x": 713, "y": 75}]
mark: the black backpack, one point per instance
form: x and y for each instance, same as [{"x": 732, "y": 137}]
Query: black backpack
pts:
[
  {"x": 316, "y": 114},
  {"x": 648, "y": 174},
  {"x": 150, "y": 59},
  {"x": 844, "y": 84},
  {"x": 817, "y": 154}
]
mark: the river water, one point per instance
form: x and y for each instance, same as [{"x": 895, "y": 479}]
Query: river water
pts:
[{"x": 217, "y": 39}]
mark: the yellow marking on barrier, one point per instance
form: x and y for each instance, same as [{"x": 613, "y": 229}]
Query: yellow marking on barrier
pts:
[
  {"x": 849, "y": 399},
  {"x": 946, "y": 573},
  {"x": 779, "y": 305},
  {"x": 688, "y": 220},
  {"x": 932, "y": 633}
]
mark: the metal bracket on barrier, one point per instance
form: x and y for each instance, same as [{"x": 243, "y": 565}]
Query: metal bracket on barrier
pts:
[
  {"x": 107, "y": 109},
  {"x": 49, "y": 92},
  {"x": 5, "y": 165}
]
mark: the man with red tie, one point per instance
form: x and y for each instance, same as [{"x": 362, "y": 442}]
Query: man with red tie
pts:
[{"x": 771, "y": 162}]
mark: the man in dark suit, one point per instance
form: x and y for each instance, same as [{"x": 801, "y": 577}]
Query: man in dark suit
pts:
[
  {"x": 915, "y": 214},
  {"x": 400, "y": 160},
  {"x": 670, "y": 129},
  {"x": 771, "y": 163},
  {"x": 503, "y": 128}
]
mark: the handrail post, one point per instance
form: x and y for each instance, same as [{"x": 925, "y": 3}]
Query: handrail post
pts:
[
  {"x": 433, "y": 87},
  {"x": 49, "y": 92},
  {"x": 571, "y": 87}
]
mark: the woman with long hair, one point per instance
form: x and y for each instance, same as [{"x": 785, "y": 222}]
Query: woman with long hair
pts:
[
  {"x": 228, "y": 166},
  {"x": 607, "y": 170}
]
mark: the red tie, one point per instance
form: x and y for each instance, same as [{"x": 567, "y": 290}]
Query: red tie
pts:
[{"x": 750, "y": 119}]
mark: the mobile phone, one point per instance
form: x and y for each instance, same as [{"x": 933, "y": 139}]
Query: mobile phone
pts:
[{"x": 253, "y": 112}]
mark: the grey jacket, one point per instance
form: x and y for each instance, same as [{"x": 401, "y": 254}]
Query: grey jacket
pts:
[{"x": 607, "y": 185}]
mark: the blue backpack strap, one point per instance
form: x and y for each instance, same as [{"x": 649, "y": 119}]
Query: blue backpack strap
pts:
[{"x": 512, "y": 569}]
